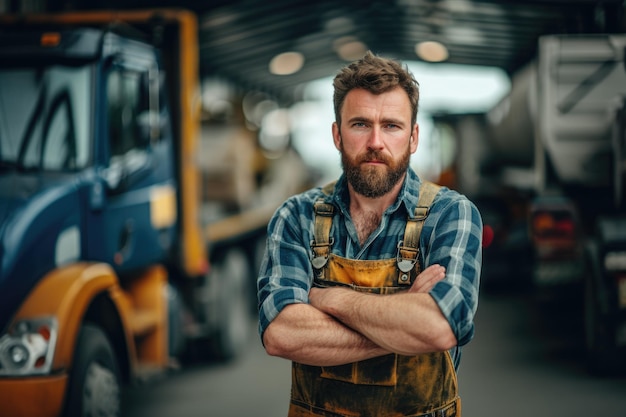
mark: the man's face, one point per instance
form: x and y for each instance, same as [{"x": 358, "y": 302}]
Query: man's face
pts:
[{"x": 376, "y": 140}]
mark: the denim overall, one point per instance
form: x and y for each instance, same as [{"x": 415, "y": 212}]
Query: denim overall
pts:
[{"x": 388, "y": 386}]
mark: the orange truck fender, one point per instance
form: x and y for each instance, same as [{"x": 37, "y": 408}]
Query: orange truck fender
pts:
[{"x": 66, "y": 294}]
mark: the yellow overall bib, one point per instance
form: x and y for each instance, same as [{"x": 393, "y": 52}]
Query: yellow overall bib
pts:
[{"x": 387, "y": 386}]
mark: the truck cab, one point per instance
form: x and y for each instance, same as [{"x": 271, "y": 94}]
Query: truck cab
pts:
[
  {"x": 99, "y": 237},
  {"x": 86, "y": 178}
]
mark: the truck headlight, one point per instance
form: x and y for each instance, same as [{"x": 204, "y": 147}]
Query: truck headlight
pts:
[{"x": 28, "y": 347}]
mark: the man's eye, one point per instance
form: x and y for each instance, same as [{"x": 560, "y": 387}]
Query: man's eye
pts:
[{"x": 391, "y": 126}]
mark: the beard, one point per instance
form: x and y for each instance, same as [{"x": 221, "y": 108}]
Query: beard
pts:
[{"x": 374, "y": 181}]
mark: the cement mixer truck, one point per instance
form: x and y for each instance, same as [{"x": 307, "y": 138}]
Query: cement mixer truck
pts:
[
  {"x": 558, "y": 143},
  {"x": 580, "y": 157}
]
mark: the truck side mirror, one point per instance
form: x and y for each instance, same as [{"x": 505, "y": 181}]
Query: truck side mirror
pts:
[
  {"x": 112, "y": 177},
  {"x": 126, "y": 170},
  {"x": 147, "y": 127}
]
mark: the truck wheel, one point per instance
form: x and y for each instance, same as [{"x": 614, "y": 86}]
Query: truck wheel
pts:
[
  {"x": 94, "y": 385},
  {"x": 235, "y": 321},
  {"x": 600, "y": 349}
]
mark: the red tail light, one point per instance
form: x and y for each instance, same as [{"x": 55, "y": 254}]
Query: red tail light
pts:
[
  {"x": 554, "y": 231},
  {"x": 553, "y": 225},
  {"x": 488, "y": 236}
]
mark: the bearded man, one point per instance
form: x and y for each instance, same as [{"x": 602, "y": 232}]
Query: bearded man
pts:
[{"x": 369, "y": 285}]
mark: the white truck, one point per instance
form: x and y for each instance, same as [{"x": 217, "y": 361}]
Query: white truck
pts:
[
  {"x": 552, "y": 154},
  {"x": 580, "y": 155}
]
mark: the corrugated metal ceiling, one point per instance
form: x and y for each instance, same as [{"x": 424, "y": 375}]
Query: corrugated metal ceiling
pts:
[{"x": 240, "y": 37}]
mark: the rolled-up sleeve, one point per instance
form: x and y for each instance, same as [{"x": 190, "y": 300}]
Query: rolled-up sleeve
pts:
[
  {"x": 455, "y": 242},
  {"x": 285, "y": 270}
]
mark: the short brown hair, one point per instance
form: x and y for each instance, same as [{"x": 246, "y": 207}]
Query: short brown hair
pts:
[{"x": 376, "y": 75}]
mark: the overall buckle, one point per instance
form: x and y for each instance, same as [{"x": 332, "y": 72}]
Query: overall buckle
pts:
[
  {"x": 405, "y": 265},
  {"x": 319, "y": 260}
]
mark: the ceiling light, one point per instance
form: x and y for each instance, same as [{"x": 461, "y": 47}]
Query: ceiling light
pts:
[
  {"x": 349, "y": 48},
  {"x": 286, "y": 63},
  {"x": 431, "y": 51}
]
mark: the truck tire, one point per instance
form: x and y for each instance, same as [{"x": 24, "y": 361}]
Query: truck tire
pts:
[
  {"x": 234, "y": 324},
  {"x": 601, "y": 352},
  {"x": 94, "y": 386}
]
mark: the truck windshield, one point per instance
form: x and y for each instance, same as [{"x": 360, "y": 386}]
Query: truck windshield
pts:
[{"x": 45, "y": 117}]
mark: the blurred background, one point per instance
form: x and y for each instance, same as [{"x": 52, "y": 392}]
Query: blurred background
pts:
[{"x": 521, "y": 109}]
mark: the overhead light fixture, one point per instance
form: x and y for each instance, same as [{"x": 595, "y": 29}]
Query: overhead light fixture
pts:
[
  {"x": 349, "y": 48},
  {"x": 431, "y": 51},
  {"x": 286, "y": 63}
]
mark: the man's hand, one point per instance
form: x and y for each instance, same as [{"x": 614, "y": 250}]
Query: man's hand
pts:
[{"x": 427, "y": 279}]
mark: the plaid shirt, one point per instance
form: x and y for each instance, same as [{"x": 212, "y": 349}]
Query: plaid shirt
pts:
[{"x": 451, "y": 237}]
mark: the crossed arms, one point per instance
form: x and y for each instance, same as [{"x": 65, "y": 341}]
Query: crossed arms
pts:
[{"x": 340, "y": 326}]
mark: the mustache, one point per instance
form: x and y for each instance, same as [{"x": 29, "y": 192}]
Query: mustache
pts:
[{"x": 372, "y": 155}]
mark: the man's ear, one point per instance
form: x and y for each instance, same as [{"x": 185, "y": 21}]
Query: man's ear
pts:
[
  {"x": 336, "y": 136},
  {"x": 414, "y": 138}
]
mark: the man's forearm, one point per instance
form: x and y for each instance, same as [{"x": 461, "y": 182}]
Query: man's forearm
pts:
[
  {"x": 306, "y": 335},
  {"x": 407, "y": 323}
]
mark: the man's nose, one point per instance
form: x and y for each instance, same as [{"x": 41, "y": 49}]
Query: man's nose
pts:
[{"x": 375, "y": 140}]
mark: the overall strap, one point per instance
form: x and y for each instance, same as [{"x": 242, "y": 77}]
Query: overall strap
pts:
[
  {"x": 408, "y": 249},
  {"x": 322, "y": 243}
]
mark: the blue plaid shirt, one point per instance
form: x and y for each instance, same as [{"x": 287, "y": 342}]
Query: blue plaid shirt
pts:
[{"x": 451, "y": 237}]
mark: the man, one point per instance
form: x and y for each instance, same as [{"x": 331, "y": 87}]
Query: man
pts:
[{"x": 342, "y": 293}]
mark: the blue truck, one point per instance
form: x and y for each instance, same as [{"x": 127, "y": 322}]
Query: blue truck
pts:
[{"x": 108, "y": 271}]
